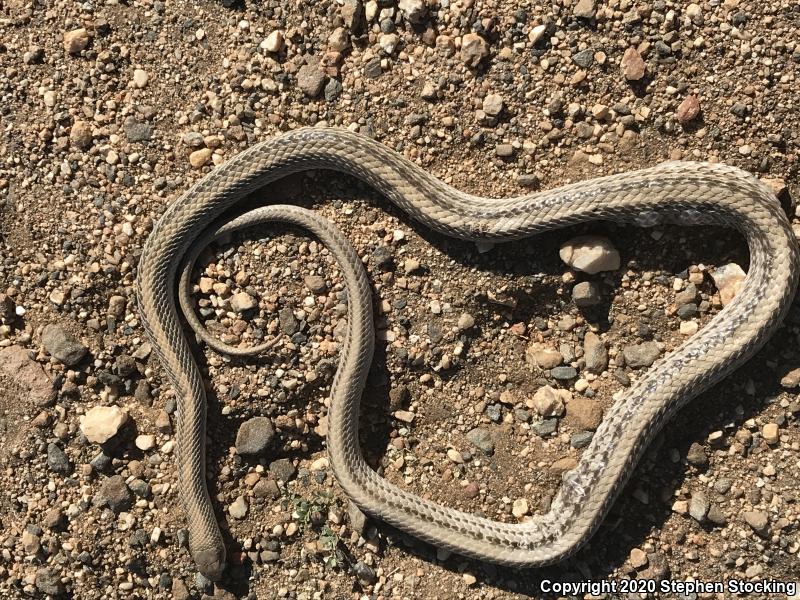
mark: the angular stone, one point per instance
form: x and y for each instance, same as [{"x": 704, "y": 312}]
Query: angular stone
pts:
[
  {"x": 641, "y": 355},
  {"x": 57, "y": 460},
  {"x": 310, "y": 79},
  {"x": 48, "y": 581},
  {"x": 282, "y": 469},
  {"x": 545, "y": 428},
  {"x": 594, "y": 353},
  {"x": 771, "y": 433},
  {"x": 115, "y": 494},
  {"x": 633, "y": 66},
  {"x": 136, "y": 131},
  {"x": 729, "y": 279},
  {"x": 242, "y": 302},
  {"x": 238, "y": 508},
  {"x": 542, "y": 356},
  {"x": 493, "y": 104},
  {"x": 101, "y": 423},
  {"x": 80, "y": 135},
  {"x": 414, "y": 11},
  {"x": 481, "y": 439},
  {"x": 564, "y": 373},
  {"x": 62, "y": 345},
  {"x": 473, "y": 49},
  {"x": 585, "y": 9},
  {"x": 76, "y": 41},
  {"x": 27, "y": 374},
  {"x": 586, "y": 294},
  {"x": 548, "y": 402},
  {"x": 316, "y": 284},
  {"x": 758, "y": 521},
  {"x": 520, "y": 507},
  {"x": 699, "y": 506},
  {"x": 697, "y": 455},
  {"x": 255, "y": 436},
  {"x": 273, "y": 42},
  {"x": 590, "y": 254}
]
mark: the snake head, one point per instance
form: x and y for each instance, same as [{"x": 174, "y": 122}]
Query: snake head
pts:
[{"x": 210, "y": 562}]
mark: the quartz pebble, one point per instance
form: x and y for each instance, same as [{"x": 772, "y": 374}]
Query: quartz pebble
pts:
[
  {"x": 590, "y": 254},
  {"x": 101, "y": 423}
]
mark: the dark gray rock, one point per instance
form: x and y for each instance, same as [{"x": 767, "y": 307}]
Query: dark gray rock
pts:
[
  {"x": 333, "y": 89},
  {"x": 62, "y": 345},
  {"x": 545, "y": 428},
  {"x": 687, "y": 311},
  {"x": 255, "y": 436},
  {"x": 57, "y": 460},
  {"x": 136, "y": 131},
  {"x": 48, "y": 581},
  {"x": 481, "y": 439},
  {"x": 289, "y": 324},
  {"x": 641, "y": 355},
  {"x": 564, "y": 373},
  {"x": 115, "y": 494},
  {"x": 365, "y": 573},
  {"x": 584, "y": 58},
  {"x": 282, "y": 469},
  {"x": 697, "y": 455},
  {"x": 372, "y": 69},
  {"x": 358, "y": 520},
  {"x": 581, "y": 439}
]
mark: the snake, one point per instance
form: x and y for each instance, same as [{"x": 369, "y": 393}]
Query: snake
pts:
[{"x": 682, "y": 193}]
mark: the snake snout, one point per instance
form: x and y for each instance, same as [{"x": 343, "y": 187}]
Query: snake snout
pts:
[{"x": 211, "y": 563}]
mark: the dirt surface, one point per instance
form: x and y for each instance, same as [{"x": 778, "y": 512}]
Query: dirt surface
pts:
[{"x": 493, "y": 364}]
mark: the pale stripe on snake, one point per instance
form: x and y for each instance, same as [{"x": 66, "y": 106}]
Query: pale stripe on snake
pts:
[{"x": 683, "y": 193}]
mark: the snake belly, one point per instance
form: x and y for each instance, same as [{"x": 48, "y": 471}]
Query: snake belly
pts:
[{"x": 683, "y": 193}]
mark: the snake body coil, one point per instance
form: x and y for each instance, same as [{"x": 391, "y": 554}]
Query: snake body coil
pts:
[{"x": 680, "y": 193}]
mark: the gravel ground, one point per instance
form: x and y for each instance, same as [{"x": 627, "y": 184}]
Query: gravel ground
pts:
[{"x": 493, "y": 365}]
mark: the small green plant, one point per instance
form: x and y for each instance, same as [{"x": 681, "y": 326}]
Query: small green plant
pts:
[{"x": 312, "y": 513}]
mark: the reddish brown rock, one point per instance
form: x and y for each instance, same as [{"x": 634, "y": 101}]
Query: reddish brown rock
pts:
[{"x": 688, "y": 110}]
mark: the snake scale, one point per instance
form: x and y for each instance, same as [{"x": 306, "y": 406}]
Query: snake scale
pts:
[{"x": 683, "y": 193}]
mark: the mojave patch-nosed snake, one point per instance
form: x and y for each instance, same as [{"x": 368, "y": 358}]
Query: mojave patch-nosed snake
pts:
[{"x": 683, "y": 193}]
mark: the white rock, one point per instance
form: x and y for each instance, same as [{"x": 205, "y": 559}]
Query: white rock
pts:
[
  {"x": 729, "y": 280},
  {"x": 242, "y": 302},
  {"x": 455, "y": 456},
  {"x": 145, "y": 442},
  {"x": 414, "y": 11},
  {"x": 102, "y": 423},
  {"x": 519, "y": 508},
  {"x": 536, "y": 33},
  {"x": 320, "y": 464},
  {"x": 590, "y": 254},
  {"x": 493, "y": 104},
  {"x": 140, "y": 78},
  {"x": 388, "y": 42},
  {"x": 273, "y": 42},
  {"x": 689, "y": 327},
  {"x": 548, "y": 402},
  {"x": 238, "y": 509}
]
